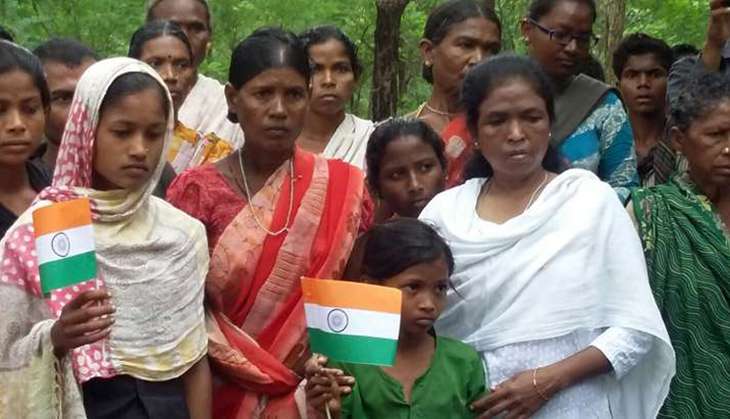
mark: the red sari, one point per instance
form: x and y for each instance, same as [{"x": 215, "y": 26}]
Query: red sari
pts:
[
  {"x": 255, "y": 316},
  {"x": 459, "y": 148}
]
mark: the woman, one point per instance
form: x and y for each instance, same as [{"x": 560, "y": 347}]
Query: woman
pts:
[
  {"x": 328, "y": 129},
  {"x": 164, "y": 46},
  {"x": 551, "y": 287},
  {"x": 683, "y": 227},
  {"x": 274, "y": 213},
  {"x": 133, "y": 338},
  {"x": 591, "y": 129},
  {"x": 458, "y": 35},
  {"x": 25, "y": 102},
  {"x": 205, "y": 109}
]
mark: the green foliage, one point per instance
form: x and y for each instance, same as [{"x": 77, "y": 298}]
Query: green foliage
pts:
[{"x": 106, "y": 25}]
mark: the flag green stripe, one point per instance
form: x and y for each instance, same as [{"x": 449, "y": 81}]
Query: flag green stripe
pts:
[
  {"x": 67, "y": 272},
  {"x": 355, "y": 349}
]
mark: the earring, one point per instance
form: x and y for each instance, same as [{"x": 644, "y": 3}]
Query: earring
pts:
[
  {"x": 726, "y": 150},
  {"x": 476, "y": 144},
  {"x": 428, "y": 64}
]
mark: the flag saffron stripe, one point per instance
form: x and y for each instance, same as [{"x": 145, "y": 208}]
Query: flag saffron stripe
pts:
[
  {"x": 64, "y": 244},
  {"x": 355, "y": 349},
  {"x": 61, "y": 216},
  {"x": 67, "y": 272},
  {"x": 353, "y": 322},
  {"x": 349, "y": 294}
]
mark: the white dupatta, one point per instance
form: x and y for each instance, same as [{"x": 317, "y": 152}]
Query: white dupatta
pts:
[
  {"x": 571, "y": 261},
  {"x": 350, "y": 141}
]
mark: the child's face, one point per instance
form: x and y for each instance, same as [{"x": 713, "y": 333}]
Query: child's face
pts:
[
  {"x": 424, "y": 295},
  {"x": 22, "y": 117},
  {"x": 129, "y": 141},
  {"x": 410, "y": 175}
]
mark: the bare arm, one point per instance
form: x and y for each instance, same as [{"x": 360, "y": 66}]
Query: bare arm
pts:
[
  {"x": 198, "y": 393},
  {"x": 718, "y": 32}
]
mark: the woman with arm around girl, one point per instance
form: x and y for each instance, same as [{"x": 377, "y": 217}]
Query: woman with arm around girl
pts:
[
  {"x": 551, "y": 286},
  {"x": 274, "y": 213}
]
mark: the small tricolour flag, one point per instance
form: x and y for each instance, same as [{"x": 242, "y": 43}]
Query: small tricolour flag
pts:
[
  {"x": 352, "y": 321},
  {"x": 64, "y": 238}
]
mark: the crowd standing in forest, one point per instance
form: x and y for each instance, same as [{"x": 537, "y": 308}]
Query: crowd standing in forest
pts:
[{"x": 561, "y": 245}]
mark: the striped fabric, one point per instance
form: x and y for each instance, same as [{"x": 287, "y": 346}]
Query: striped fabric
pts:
[{"x": 688, "y": 257}]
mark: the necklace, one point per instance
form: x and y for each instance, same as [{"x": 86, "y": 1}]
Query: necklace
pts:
[
  {"x": 534, "y": 194},
  {"x": 438, "y": 112},
  {"x": 250, "y": 203},
  {"x": 532, "y": 197}
]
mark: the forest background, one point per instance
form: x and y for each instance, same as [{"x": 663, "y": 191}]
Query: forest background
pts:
[{"x": 107, "y": 25}]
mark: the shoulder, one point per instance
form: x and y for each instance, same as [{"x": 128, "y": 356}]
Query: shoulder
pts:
[
  {"x": 196, "y": 178},
  {"x": 585, "y": 186},
  {"x": 457, "y": 351},
  {"x": 208, "y": 82},
  {"x": 196, "y": 190},
  {"x": 451, "y": 199}
]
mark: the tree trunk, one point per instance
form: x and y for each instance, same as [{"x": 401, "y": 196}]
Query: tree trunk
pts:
[
  {"x": 384, "y": 99},
  {"x": 613, "y": 17}
]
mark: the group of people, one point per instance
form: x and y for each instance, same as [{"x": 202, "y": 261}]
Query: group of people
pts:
[{"x": 561, "y": 244}]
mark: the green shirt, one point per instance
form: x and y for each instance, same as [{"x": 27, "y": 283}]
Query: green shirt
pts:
[{"x": 454, "y": 379}]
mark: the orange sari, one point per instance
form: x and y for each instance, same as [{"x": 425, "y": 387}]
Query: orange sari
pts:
[{"x": 256, "y": 321}]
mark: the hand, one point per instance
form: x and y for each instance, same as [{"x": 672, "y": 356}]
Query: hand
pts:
[
  {"x": 516, "y": 398},
  {"x": 326, "y": 385},
  {"x": 718, "y": 29},
  {"x": 84, "y": 320}
]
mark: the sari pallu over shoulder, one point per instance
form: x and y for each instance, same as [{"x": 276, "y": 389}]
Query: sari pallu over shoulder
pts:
[
  {"x": 256, "y": 318},
  {"x": 688, "y": 257}
]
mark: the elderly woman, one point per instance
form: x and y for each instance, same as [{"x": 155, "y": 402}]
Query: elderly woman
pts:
[
  {"x": 683, "y": 226},
  {"x": 550, "y": 284}
]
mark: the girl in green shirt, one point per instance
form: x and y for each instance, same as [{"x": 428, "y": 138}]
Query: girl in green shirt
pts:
[{"x": 433, "y": 376}]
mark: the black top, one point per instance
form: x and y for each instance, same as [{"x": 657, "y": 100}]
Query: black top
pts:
[{"x": 39, "y": 179}]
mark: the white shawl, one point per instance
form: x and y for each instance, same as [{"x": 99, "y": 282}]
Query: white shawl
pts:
[
  {"x": 206, "y": 110},
  {"x": 571, "y": 261},
  {"x": 350, "y": 141}
]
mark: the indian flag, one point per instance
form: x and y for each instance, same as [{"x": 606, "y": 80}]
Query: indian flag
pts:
[
  {"x": 352, "y": 321},
  {"x": 64, "y": 239}
]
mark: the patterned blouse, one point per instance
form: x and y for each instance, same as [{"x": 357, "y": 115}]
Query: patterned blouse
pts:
[{"x": 604, "y": 144}]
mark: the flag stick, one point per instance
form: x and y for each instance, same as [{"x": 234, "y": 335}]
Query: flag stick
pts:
[{"x": 327, "y": 410}]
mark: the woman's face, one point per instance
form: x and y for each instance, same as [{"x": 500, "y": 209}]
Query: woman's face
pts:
[
  {"x": 703, "y": 144},
  {"x": 513, "y": 129},
  {"x": 22, "y": 117},
  {"x": 465, "y": 45},
  {"x": 170, "y": 57},
  {"x": 333, "y": 78},
  {"x": 193, "y": 19},
  {"x": 129, "y": 140},
  {"x": 559, "y": 59},
  {"x": 271, "y": 108},
  {"x": 410, "y": 175}
]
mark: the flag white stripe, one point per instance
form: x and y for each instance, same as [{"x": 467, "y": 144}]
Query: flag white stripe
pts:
[
  {"x": 54, "y": 246},
  {"x": 376, "y": 324}
]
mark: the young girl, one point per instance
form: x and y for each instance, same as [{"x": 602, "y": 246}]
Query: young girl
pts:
[
  {"x": 406, "y": 165},
  {"x": 24, "y": 102},
  {"x": 132, "y": 341},
  {"x": 433, "y": 376}
]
